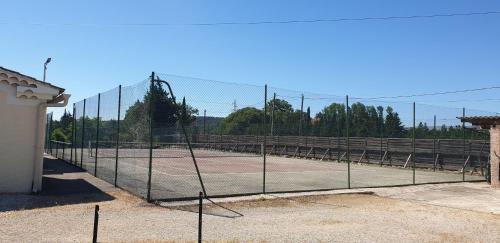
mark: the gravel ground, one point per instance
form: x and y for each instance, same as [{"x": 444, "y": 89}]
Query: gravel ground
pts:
[
  {"x": 459, "y": 212},
  {"x": 322, "y": 218}
]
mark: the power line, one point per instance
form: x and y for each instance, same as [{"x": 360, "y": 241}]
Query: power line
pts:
[
  {"x": 429, "y": 94},
  {"x": 475, "y": 100},
  {"x": 304, "y": 21}
]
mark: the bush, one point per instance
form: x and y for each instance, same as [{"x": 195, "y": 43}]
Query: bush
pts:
[{"x": 58, "y": 135}]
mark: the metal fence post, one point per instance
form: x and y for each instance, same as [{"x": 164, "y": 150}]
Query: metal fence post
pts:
[
  {"x": 265, "y": 141},
  {"x": 301, "y": 114},
  {"x": 463, "y": 139},
  {"x": 381, "y": 135},
  {"x": 46, "y": 142},
  {"x": 413, "y": 144},
  {"x": 83, "y": 133},
  {"x": 150, "y": 135},
  {"x": 97, "y": 132},
  {"x": 73, "y": 135},
  {"x": 348, "y": 152},
  {"x": 50, "y": 130},
  {"x": 338, "y": 136},
  {"x": 272, "y": 115},
  {"x": 118, "y": 133},
  {"x": 434, "y": 145},
  {"x": 204, "y": 122}
]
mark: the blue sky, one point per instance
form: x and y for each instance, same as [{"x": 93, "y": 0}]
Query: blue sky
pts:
[{"x": 362, "y": 59}]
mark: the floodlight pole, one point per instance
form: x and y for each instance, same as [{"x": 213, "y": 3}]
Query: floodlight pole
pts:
[{"x": 45, "y": 68}]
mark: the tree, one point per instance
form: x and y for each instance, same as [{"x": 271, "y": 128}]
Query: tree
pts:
[
  {"x": 280, "y": 105},
  {"x": 330, "y": 121},
  {"x": 58, "y": 135},
  {"x": 393, "y": 124},
  {"x": 244, "y": 121},
  {"x": 166, "y": 114},
  {"x": 283, "y": 116},
  {"x": 63, "y": 128}
]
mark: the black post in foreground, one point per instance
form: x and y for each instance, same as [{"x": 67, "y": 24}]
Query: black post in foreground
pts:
[
  {"x": 96, "y": 222},
  {"x": 200, "y": 213}
]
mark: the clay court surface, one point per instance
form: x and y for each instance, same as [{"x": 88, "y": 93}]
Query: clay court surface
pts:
[
  {"x": 227, "y": 173},
  {"x": 456, "y": 212}
]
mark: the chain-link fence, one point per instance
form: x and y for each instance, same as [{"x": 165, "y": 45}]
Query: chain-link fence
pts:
[{"x": 169, "y": 137}]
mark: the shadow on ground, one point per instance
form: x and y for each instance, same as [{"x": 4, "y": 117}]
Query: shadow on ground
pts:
[
  {"x": 52, "y": 166},
  {"x": 63, "y": 184}
]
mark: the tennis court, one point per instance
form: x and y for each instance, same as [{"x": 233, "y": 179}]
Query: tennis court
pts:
[{"x": 226, "y": 172}]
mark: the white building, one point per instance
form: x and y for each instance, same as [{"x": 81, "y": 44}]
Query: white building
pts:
[{"x": 23, "y": 105}]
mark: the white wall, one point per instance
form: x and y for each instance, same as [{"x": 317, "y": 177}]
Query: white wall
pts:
[{"x": 18, "y": 123}]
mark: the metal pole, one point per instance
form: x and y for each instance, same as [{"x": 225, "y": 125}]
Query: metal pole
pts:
[
  {"x": 348, "y": 156},
  {"x": 200, "y": 215},
  {"x": 96, "y": 223},
  {"x": 83, "y": 133},
  {"x": 46, "y": 142},
  {"x": 97, "y": 132},
  {"x": 45, "y": 68},
  {"x": 73, "y": 135},
  {"x": 204, "y": 122},
  {"x": 434, "y": 145},
  {"x": 413, "y": 144},
  {"x": 50, "y": 129},
  {"x": 463, "y": 139},
  {"x": 301, "y": 114},
  {"x": 272, "y": 115},
  {"x": 381, "y": 135},
  {"x": 338, "y": 136},
  {"x": 265, "y": 142},
  {"x": 117, "y": 151},
  {"x": 151, "y": 96}
]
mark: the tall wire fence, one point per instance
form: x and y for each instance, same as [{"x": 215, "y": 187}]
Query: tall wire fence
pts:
[{"x": 169, "y": 137}]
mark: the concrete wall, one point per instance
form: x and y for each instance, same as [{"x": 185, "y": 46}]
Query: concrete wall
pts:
[
  {"x": 18, "y": 126},
  {"x": 495, "y": 152}
]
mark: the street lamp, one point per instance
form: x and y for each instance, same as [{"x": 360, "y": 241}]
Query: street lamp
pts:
[{"x": 45, "y": 68}]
